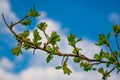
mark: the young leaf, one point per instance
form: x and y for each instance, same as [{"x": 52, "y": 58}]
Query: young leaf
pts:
[
  {"x": 101, "y": 70},
  {"x": 42, "y": 26},
  {"x": 71, "y": 39},
  {"x": 102, "y": 40},
  {"x": 76, "y": 51},
  {"x": 80, "y": 39},
  {"x": 16, "y": 51},
  {"x": 23, "y": 35},
  {"x": 26, "y": 22},
  {"x": 54, "y": 38},
  {"x": 97, "y": 57},
  {"x": 58, "y": 67},
  {"x": 116, "y": 29},
  {"x": 34, "y": 13},
  {"x": 49, "y": 58},
  {"x": 76, "y": 59},
  {"x": 26, "y": 33},
  {"x": 36, "y": 36},
  {"x": 86, "y": 66},
  {"x": 48, "y": 48},
  {"x": 94, "y": 69},
  {"x": 26, "y": 46},
  {"x": 66, "y": 70}
]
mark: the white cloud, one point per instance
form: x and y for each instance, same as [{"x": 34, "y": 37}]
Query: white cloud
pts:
[
  {"x": 38, "y": 73},
  {"x": 5, "y": 8},
  {"x": 114, "y": 18},
  {"x": 6, "y": 64},
  {"x": 88, "y": 46}
]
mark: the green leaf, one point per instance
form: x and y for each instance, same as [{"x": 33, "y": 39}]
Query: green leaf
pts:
[
  {"x": 108, "y": 64},
  {"x": 49, "y": 58},
  {"x": 76, "y": 51},
  {"x": 26, "y": 22},
  {"x": 34, "y": 13},
  {"x": 77, "y": 60},
  {"x": 101, "y": 70},
  {"x": 97, "y": 57},
  {"x": 102, "y": 40},
  {"x": 37, "y": 37},
  {"x": 94, "y": 69},
  {"x": 42, "y": 26},
  {"x": 54, "y": 38},
  {"x": 16, "y": 51},
  {"x": 116, "y": 29},
  {"x": 80, "y": 39},
  {"x": 26, "y": 45},
  {"x": 23, "y": 35},
  {"x": 111, "y": 58},
  {"x": 86, "y": 66},
  {"x": 26, "y": 33},
  {"x": 71, "y": 39},
  {"x": 48, "y": 48},
  {"x": 66, "y": 70},
  {"x": 39, "y": 43},
  {"x": 58, "y": 67}
]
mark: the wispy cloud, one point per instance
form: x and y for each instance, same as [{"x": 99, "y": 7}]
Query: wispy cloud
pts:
[
  {"x": 114, "y": 18},
  {"x": 6, "y": 64},
  {"x": 5, "y": 8},
  {"x": 49, "y": 73}
]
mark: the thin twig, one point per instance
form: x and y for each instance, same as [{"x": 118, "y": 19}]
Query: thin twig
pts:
[
  {"x": 5, "y": 21},
  {"x": 66, "y": 60},
  {"x": 109, "y": 72},
  {"x": 62, "y": 60},
  {"x": 20, "y": 21},
  {"x": 117, "y": 43},
  {"x": 113, "y": 53},
  {"x": 97, "y": 63}
]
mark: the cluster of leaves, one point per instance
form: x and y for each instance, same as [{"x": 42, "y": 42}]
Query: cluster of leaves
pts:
[
  {"x": 21, "y": 38},
  {"x": 116, "y": 29},
  {"x": 104, "y": 73},
  {"x": 17, "y": 50},
  {"x": 72, "y": 41},
  {"x": 86, "y": 66},
  {"x": 65, "y": 69},
  {"x": 33, "y": 13},
  {"x": 103, "y": 40},
  {"x": 112, "y": 57},
  {"x": 109, "y": 58}
]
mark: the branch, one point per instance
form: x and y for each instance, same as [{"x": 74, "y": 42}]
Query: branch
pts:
[
  {"x": 43, "y": 49},
  {"x": 104, "y": 76},
  {"x": 117, "y": 43},
  {"x": 20, "y": 21},
  {"x": 112, "y": 52}
]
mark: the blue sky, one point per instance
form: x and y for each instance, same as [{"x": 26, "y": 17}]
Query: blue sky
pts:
[{"x": 85, "y": 18}]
